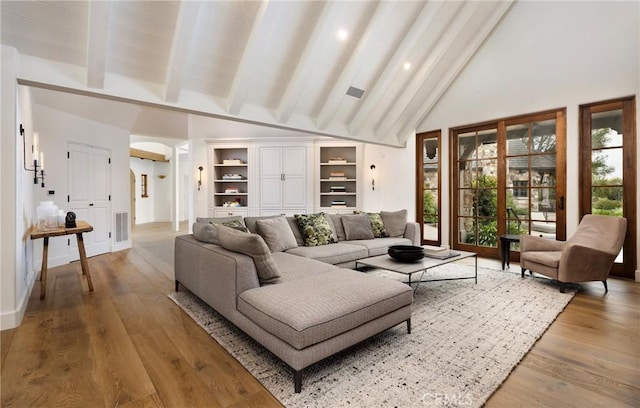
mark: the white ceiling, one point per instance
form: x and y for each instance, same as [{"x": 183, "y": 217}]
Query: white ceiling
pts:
[{"x": 275, "y": 63}]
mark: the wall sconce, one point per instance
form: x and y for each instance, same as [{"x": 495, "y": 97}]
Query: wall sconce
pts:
[
  {"x": 200, "y": 168},
  {"x": 373, "y": 176},
  {"x": 38, "y": 158}
]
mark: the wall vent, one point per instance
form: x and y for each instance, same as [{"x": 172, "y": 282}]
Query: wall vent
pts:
[{"x": 122, "y": 227}]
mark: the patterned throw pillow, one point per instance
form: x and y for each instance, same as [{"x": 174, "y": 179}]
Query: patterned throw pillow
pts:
[
  {"x": 315, "y": 229},
  {"x": 235, "y": 224},
  {"x": 377, "y": 226}
]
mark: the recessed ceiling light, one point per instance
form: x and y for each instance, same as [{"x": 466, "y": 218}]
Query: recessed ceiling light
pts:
[
  {"x": 342, "y": 34},
  {"x": 406, "y": 66}
]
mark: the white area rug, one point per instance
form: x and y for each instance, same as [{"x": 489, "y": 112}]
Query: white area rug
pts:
[{"x": 466, "y": 338}]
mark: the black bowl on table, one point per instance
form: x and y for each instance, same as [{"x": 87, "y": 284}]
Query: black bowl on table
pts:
[{"x": 406, "y": 253}]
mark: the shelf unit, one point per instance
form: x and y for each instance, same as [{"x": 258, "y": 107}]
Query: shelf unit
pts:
[
  {"x": 225, "y": 188},
  {"x": 338, "y": 177}
]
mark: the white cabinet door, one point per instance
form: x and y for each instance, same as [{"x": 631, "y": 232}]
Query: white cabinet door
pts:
[{"x": 283, "y": 177}]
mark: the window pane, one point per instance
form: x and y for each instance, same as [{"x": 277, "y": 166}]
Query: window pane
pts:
[
  {"x": 543, "y": 170},
  {"x": 467, "y": 203},
  {"x": 606, "y": 167},
  {"x": 607, "y": 200},
  {"x": 430, "y": 151},
  {"x": 517, "y": 206},
  {"x": 487, "y": 202},
  {"x": 606, "y": 129},
  {"x": 488, "y": 145},
  {"x": 467, "y": 174},
  {"x": 517, "y": 140},
  {"x": 466, "y": 234},
  {"x": 430, "y": 206},
  {"x": 543, "y": 136},
  {"x": 430, "y": 176},
  {"x": 467, "y": 146},
  {"x": 487, "y": 232},
  {"x": 546, "y": 229}
]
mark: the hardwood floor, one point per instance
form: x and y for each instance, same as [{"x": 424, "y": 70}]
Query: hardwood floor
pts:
[{"x": 127, "y": 344}]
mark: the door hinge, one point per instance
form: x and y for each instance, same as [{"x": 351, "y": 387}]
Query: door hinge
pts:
[
  {"x": 109, "y": 234},
  {"x": 109, "y": 197},
  {"x": 68, "y": 199},
  {"x": 68, "y": 155},
  {"x": 109, "y": 160},
  {"x": 68, "y": 242}
]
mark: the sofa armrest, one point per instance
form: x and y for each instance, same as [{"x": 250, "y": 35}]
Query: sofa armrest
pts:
[
  {"x": 213, "y": 273},
  {"x": 412, "y": 232},
  {"x": 530, "y": 243}
]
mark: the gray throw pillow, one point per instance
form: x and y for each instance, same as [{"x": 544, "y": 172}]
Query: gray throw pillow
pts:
[
  {"x": 357, "y": 227},
  {"x": 337, "y": 224},
  {"x": 254, "y": 246},
  {"x": 394, "y": 222},
  {"x": 205, "y": 232},
  {"x": 276, "y": 233}
]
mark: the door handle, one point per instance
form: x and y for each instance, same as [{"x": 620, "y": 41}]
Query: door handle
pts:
[
  {"x": 91, "y": 205},
  {"x": 561, "y": 203}
]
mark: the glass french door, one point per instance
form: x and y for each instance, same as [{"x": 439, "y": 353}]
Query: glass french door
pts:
[
  {"x": 428, "y": 186},
  {"x": 509, "y": 178},
  {"x": 607, "y": 182}
]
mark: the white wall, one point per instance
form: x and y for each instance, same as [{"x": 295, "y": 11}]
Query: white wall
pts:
[
  {"x": 57, "y": 129},
  {"x": 546, "y": 55},
  {"x": 145, "y": 206}
]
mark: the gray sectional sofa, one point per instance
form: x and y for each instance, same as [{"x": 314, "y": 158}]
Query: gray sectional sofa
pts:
[{"x": 302, "y": 303}]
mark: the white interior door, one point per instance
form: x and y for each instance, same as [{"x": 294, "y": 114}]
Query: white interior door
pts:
[
  {"x": 271, "y": 174},
  {"x": 295, "y": 177},
  {"x": 90, "y": 195}
]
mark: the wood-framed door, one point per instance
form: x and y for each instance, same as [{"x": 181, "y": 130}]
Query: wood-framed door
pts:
[
  {"x": 508, "y": 176},
  {"x": 608, "y": 163}
]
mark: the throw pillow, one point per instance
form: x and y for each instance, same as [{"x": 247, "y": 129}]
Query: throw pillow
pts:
[
  {"x": 377, "y": 226},
  {"x": 235, "y": 224},
  {"x": 357, "y": 226},
  {"x": 394, "y": 222},
  {"x": 276, "y": 233},
  {"x": 315, "y": 229},
  {"x": 337, "y": 223},
  {"x": 254, "y": 246},
  {"x": 205, "y": 232},
  {"x": 219, "y": 220}
]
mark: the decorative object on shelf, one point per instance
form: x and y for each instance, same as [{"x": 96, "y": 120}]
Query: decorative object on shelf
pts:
[
  {"x": 231, "y": 190},
  {"x": 406, "y": 253},
  {"x": 338, "y": 189},
  {"x": 232, "y": 161},
  {"x": 338, "y": 204},
  {"x": 337, "y": 175},
  {"x": 200, "y": 168},
  {"x": 235, "y": 203},
  {"x": 233, "y": 176},
  {"x": 337, "y": 160},
  {"x": 70, "y": 220},
  {"x": 38, "y": 157},
  {"x": 373, "y": 176}
]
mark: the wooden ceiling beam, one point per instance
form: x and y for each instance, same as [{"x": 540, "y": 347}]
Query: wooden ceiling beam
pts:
[
  {"x": 97, "y": 43},
  {"x": 143, "y": 154}
]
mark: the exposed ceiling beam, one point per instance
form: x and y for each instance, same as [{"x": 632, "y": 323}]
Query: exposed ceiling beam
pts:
[
  {"x": 143, "y": 154},
  {"x": 252, "y": 55},
  {"x": 308, "y": 61},
  {"x": 423, "y": 109},
  {"x": 352, "y": 67},
  {"x": 374, "y": 96},
  {"x": 182, "y": 37},
  {"x": 97, "y": 41},
  {"x": 446, "y": 41}
]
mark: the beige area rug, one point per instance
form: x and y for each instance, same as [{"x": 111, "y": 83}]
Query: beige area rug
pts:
[{"x": 466, "y": 338}]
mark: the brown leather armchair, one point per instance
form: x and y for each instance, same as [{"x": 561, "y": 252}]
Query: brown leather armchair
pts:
[{"x": 587, "y": 256}]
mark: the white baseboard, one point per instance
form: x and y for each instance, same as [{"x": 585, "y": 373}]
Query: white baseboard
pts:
[
  {"x": 12, "y": 319},
  {"x": 121, "y": 245}
]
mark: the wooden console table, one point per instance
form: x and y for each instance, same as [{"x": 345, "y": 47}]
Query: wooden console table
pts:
[{"x": 81, "y": 226}]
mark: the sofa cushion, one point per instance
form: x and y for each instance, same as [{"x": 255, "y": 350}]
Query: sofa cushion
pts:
[
  {"x": 326, "y": 305},
  {"x": 276, "y": 233},
  {"x": 315, "y": 229},
  {"x": 221, "y": 220},
  {"x": 333, "y": 253},
  {"x": 394, "y": 222},
  {"x": 357, "y": 227},
  {"x": 250, "y": 222},
  {"x": 205, "y": 232},
  {"x": 296, "y": 230},
  {"x": 336, "y": 219},
  {"x": 380, "y": 246},
  {"x": 252, "y": 245},
  {"x": 295, "y": 267}
]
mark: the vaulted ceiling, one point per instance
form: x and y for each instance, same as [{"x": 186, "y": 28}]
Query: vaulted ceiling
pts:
[{"x": 276, "y": 63}]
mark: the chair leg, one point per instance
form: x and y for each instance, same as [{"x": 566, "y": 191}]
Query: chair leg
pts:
[
  {"x": 562, "y": 287},
  {"x": 297, "y": 381},
  {"x": 606, "y": 289},
  {"x": 409, "y": 326},
  {"x": 522, "y": 272},
  {"x": 177, "y": 285}
]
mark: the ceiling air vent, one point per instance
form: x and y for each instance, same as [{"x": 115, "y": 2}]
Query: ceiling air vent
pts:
[{"x": 355, "y": 92}]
